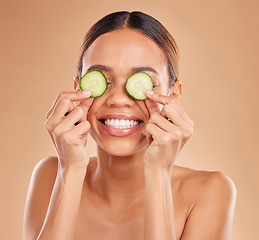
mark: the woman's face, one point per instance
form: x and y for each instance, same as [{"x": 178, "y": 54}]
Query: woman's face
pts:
[{"x": 119, "y": 54}]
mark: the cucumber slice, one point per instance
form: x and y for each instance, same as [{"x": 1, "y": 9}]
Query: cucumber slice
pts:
[
  {"x": 137, "y": 83},
  {"x": 95, "y": 81}
]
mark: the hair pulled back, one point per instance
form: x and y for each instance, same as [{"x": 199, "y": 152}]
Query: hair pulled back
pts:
[{"x": 141, "y": 22}]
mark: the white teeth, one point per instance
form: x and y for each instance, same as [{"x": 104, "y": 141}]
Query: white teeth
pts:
[
  {"x": 116, "y": 123},
  {"x": 127, "y": 123}
]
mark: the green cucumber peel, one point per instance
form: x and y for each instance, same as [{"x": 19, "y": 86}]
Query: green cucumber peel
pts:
[
  {"x": 94, "y": 81},
  {"x": 137, "y": 84}
]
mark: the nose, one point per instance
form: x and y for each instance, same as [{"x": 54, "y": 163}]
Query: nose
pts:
[{"x": 118, "y": 97}]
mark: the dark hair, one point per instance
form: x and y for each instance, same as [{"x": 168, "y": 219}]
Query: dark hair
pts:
[{"x": 141, "y": 22}]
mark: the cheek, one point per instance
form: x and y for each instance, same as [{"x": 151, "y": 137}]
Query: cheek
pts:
[
  {"x": 93, "y": 109},
  {"x": 90, "y": 106}
]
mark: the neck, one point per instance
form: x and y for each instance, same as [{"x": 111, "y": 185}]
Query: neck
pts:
[{"x": 119, "y": 179}]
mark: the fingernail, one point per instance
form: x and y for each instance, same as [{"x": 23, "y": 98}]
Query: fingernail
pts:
[
  {"x": 148, "y": 91},
  {"x": 87, "y": 92}
]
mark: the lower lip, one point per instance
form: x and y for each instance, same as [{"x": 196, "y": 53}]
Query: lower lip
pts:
[{"x": 120, "y": 132}]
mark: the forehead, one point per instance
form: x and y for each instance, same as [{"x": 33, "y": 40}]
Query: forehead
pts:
[{"x": 124, "y": 49}]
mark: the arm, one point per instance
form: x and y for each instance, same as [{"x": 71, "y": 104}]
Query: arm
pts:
[
  {"x": 158, "y": 206},
  {"x": 166, "y": 133},
  {"x": 211, "y": 218},
  {"x": 52, "y": 215},
  {"x": 63, "y": 209},
  {"x": 68, "y": 129}
]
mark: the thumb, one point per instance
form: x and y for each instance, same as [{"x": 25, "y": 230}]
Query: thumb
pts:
[
  {"x": 86, "y": 104},
  {"x": 152, "y": 106}
]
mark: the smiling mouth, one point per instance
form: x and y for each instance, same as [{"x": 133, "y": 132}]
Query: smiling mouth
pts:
[
  {"x": 120, "y": 127},
  {"x": 120, "y": 123}
]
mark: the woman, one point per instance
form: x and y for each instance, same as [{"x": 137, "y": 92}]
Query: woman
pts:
[{"x": 132, "y": 189}]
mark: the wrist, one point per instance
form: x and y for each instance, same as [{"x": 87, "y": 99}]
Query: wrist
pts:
[
  {"x": 167, "y": 170},
  {"x": 73, "y": 166},
  {"x": 67, "y": 170},
  {"x": 158, "y": 171}
]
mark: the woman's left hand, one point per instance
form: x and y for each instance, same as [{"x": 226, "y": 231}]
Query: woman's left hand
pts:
[{"x": 166, "y": 132}]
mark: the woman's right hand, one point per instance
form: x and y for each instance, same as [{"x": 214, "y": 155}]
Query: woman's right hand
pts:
[{"x": 68, "y": 128}]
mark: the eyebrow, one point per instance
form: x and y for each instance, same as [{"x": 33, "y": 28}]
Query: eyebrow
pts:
[{"x": 134, "y": 70}]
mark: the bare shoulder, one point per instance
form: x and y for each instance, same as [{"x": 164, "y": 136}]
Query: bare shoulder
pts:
[
  {"x": 44, "y": 175},
  {"x": 42, "y": 182},
  {"x": 46, "y": 167},
  {"x": 211, "y": 195},
  {"x": 38, "y": 196},
  {"x": 202, "y": 177},
  {"x": 43, "y": 178},
  {"x": 203, "y": 181}
]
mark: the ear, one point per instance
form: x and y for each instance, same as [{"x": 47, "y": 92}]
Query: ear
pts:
[
  {"x": 76, "y": 83},
  {"x": 176, "y": 89}
]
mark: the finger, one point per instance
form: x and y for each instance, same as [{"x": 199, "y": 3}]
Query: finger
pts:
[
  {"x": 181, "y": 121},
  {"x": 73, "y": 96},
  {"x": 176, "y": 113},
  {"x": 75, "y": 117},
  {"x": 159, "y": 98},
  {"x": 79, "y": 132},
  {"x": 61, "y": 109},
  {"x": 184, "y": 131},
  {"x": 152, "y": 106},
  {"x": 148, "y": 136},
  {"x": 86, "y": 104},
  {"x": 162, "y": 123},
  {"x": 155, "y": 134},
  {"x": 77, "y": 95}
]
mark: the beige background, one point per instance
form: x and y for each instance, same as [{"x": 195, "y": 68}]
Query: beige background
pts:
[{"x": 219, "y": 52}]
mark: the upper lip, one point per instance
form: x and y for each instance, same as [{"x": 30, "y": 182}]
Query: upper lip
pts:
[{"x": 124, "y": 116}]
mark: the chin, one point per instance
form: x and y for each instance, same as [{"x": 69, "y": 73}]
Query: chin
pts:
[
  {"x": 122, "y": 150},
  {"x": 120, "y": 146}
]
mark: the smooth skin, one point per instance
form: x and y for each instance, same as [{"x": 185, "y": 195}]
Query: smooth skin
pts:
[{"x": 132, "y": 189}]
